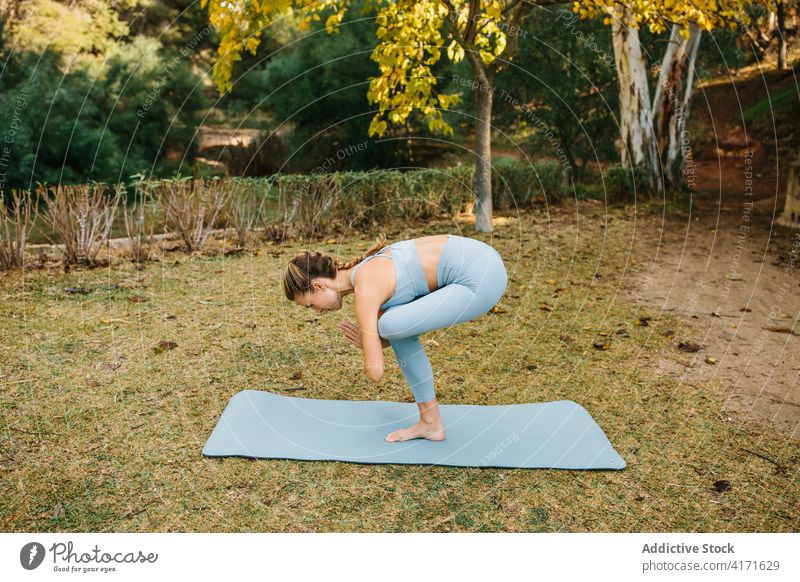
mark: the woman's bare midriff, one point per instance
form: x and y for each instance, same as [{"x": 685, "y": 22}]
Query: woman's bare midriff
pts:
[{"x": 429, "y": 249}]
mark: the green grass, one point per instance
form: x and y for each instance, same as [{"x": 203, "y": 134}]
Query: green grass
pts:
[
  {"x": 780, "y": 101},
  {"x": 99, "y": 432}
]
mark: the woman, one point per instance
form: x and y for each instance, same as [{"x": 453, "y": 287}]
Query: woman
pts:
[{"x": 421, "y": 285}]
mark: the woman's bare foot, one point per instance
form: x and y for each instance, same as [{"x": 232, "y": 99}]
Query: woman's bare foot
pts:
[
  {"x": 433, "y": 431},
  {"x": 429, "y": 426}
]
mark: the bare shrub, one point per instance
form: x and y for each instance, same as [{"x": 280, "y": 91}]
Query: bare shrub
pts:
[
  {"x": 246, "y": 206},
  {"x": 304, "y": 204},
  {"x": 81, "y": 217},
  {"x": 192, "y": 207},
  {"x": 16, "y": 223},
  {"x": 278, "y": 212},
  {"x": 141, "y": 242}
]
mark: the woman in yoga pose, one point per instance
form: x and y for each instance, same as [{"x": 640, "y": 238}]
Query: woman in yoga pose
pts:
[{"x": 427, "y": 283}]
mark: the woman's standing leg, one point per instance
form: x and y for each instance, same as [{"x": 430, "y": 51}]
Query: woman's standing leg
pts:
[
  {"x": 448, "y": 305},
  {"x": 415, "y": 366}
]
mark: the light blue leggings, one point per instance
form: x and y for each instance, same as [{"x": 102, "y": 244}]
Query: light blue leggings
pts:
[{"x": 471, "y": 279}]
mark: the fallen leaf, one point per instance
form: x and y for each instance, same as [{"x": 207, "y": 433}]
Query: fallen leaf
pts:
[
  {"x": 296, "y": 376},
  {"x": 778, "y": 329},
  {"x": 602, "y": 345},
  {"x": 432, "y": 342},
  {"x": 551, "y": 281},
  {"x": 668, "y": 333},
  {"x": 330, "y": 241},
  {"x": 137, "y": 299},
  {"x": 545, "y": 307},
  {"x": 689, "y": 347},
  {"x": 497, "y": 309},
  {"x": 642, "y": 321},
  {"x": 721, "y": 486},
  {"x": 165, "y": 345},
  {"x": 566, "y": 339},
  {"x": 711, "y": 360}
]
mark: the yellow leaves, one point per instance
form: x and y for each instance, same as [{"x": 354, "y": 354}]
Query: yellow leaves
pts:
[
  {"x": 438, "y": 125},
  {"x": 333, "y": 21},
  {"x": 252, "y": 43},
  {"x": 708, "y": 14},
  {"x": 455, "y": 52},
  {"x": 376, "y": 127}
]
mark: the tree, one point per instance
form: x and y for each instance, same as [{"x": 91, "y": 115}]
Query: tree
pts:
[
  {"x": 653, "y": 133},
  {"x": 412, "y": 35}
]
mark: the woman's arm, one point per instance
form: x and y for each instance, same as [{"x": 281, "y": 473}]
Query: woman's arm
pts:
[{"x": 367, "y": 314}]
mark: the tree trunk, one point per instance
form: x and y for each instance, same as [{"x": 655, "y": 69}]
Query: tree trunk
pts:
[
  {"x": 781, "y": 32},
  {"x": 638, "y": 147},
  {"x": 672, "y": 101},
  {"x": 483, "y": 153}
]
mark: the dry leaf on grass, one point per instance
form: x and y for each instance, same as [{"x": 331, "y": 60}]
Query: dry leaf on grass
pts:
[
  {"x": 165, "y": 345},
  {"x": 779, "y": 329},
  {"x": 689, "y": 347}
]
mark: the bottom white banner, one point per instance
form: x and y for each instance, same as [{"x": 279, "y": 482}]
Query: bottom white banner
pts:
[{"x": 388, "y": 557}]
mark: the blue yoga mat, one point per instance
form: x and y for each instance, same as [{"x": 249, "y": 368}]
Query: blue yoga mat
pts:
[{"x": 557, "y": 435}]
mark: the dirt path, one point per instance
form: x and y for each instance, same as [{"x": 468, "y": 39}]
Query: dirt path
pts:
[{"x": 728, "y": 258}]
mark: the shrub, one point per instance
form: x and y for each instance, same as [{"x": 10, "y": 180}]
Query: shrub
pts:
[
  {"x": 625, "y": 184},
  {"x": 193, "y": 206},
  {"x": 81, "y": 217},
  {"x": 16, "y": 222},
  {"x": 141, "y": 242}
]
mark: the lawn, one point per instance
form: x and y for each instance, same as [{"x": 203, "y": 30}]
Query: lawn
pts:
[{"x": 102, "y": 424}]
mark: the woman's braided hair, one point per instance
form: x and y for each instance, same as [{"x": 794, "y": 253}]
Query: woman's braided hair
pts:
[{"x": 308, "y": 265}]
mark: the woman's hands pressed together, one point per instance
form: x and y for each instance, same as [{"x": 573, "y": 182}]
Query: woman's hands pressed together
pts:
[{"x": 352, "y": 333}]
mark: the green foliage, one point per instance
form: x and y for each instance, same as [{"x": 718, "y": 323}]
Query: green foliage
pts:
[
  {"x": 316, "y": 85},
  {"x": 624, "y": 184},
  {"x": 517, "y": 184},
  {"x": 368, "y": 199},
  {"x": 565, "y": 82},
  {"x": 772, "y": 105},
  {"x": 98, "y": 121},
  {"x": 154, "y": 104}
]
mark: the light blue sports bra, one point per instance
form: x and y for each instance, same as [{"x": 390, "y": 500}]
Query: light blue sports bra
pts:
[{"x": 408, "y": 271}]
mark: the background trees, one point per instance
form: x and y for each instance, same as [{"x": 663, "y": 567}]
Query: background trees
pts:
[{"x": 128, "y": 88}]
